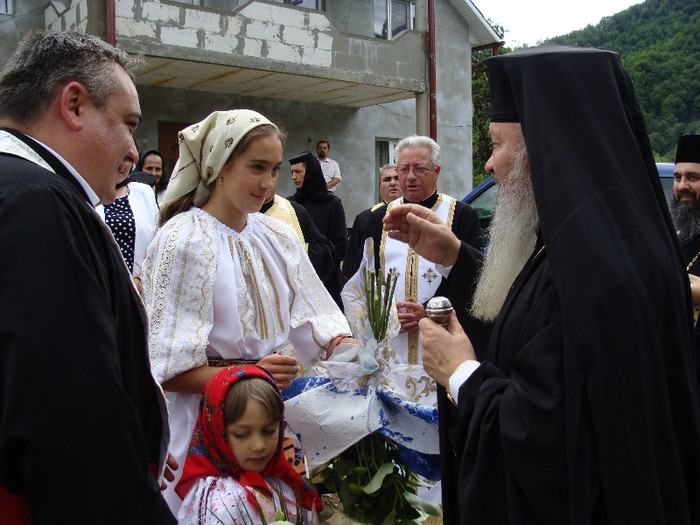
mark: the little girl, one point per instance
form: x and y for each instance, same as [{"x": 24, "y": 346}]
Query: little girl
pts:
[{"x": 235, "y": 471}]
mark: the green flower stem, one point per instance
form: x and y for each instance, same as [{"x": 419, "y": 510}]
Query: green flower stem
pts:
[{"x": 379, "y": 294}]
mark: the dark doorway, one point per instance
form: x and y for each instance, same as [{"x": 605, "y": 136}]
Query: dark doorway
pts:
[{"x": 167, "y": 142}]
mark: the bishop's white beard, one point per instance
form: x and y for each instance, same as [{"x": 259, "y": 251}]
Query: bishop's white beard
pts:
[{"x": 512, "y": 237}]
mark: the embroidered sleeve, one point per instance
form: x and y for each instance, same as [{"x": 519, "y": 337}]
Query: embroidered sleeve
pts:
[
  {"x": 178, "y": 279},
  {"x": 315, "y": 319}
]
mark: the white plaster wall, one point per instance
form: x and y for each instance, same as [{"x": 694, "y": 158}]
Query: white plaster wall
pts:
[{"x": 266, "y": 30}]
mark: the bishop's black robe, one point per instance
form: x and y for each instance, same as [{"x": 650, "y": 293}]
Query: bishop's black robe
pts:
[
  {"x": 82, "y": 421},
  {"x": 584, "y": 409},
  {"x": 525, "y": 435}
]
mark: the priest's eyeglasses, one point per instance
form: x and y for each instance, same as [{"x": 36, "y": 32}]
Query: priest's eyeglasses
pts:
[{"x": 419, "y": 171}]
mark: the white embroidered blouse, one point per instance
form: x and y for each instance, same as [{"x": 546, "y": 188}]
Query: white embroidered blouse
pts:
[{"x": 223, "y": 501}]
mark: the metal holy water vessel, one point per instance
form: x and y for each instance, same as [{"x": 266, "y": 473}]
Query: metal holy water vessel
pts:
[{"x": 439, "y": 310}]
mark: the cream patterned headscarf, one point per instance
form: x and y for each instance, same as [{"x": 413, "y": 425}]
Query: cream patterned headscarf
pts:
[{"x": 204, "y": 149}]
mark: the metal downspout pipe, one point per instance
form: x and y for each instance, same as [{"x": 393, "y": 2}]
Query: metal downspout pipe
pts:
[
  {"x": 432, "y": 76},
  {"x": 426, "y": 102},
  {"x": 110, "y": 22}
]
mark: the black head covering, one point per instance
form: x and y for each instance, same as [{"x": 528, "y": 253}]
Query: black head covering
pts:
[
  {"x": 314, "y": 187},
  {"x": 503, "y": 107},
  {"x": 143, "y": 177},
  {"x": 629, "y": 367},
  {"x": 688, "y": 149},
  {"x": 165, "y": 177}
]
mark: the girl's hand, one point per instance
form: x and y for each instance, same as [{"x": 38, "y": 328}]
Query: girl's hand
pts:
[{"x": 283, "y": 368}]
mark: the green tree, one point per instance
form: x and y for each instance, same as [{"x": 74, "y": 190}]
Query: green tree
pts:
[
  {"x": 481, "y": 142},
  {"x": 657, "y": 42}
]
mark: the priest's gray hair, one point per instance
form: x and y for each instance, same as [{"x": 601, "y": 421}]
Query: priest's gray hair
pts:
[
  {"x": 45, "y": 61},
  {"x": 420, "y": 141}
]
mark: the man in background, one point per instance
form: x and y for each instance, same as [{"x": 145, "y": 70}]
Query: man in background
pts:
[
  {"x": 389, "y": 185},
  {"x": 389, "y": 189},
  {"x": 83, "y": 425},
  {"x": 330, "y": 168}
]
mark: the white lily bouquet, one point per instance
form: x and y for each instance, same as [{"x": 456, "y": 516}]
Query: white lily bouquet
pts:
[{"x": 365, "y": 434}]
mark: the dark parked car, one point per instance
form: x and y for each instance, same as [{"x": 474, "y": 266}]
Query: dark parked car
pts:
[
  {"x": 483, "y": 197},
  {"x": 666, "y": 176}
]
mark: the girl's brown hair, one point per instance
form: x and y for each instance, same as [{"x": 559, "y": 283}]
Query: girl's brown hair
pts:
[{"x": 256, "y": 389}]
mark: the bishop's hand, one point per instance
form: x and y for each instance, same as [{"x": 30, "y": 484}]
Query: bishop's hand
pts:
[
  {"x": 444, "y": 350},
  {"x": 423, "y": 230}
]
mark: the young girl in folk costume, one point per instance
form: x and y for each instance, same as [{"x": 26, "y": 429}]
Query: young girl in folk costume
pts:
[
  {"x": 235, "y": 468},
  {"x": 222, "y": 284}
]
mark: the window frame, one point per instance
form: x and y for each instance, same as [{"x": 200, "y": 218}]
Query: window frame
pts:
[{"x": 388, "y": 12}]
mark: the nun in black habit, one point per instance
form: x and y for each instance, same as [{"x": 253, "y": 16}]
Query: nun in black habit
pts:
[
  {"x": 326, "y": 210},
  {"x": 584, "y": 409}
]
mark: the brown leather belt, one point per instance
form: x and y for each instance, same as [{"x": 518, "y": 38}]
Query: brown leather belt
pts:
[{"x": 218, "y": 361}]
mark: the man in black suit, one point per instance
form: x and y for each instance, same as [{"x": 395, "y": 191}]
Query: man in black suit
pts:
[{"x": 82, "y": 422}]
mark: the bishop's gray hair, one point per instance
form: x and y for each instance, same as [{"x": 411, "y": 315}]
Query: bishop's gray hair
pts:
[{"x": 45, "y": 61}]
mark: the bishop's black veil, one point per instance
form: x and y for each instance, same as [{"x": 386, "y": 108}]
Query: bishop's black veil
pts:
[{"x": 618, "y": 277}]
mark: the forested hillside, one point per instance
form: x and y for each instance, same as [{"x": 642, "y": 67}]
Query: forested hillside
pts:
[{"x": 659, "y": 42}]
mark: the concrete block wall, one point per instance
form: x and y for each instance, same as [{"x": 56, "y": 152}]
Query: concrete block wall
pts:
[
  {"x": 73, "y": 18},
  {"x": 285, "y": 35}
]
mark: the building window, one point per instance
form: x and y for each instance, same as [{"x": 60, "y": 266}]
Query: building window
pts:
[
  {"x": 384, "y": 153},
  {"x": 311, "y": 4},
  {"x": 5, "y": 7},
  {"x": 392, "y": 16},
  {"x": 223, "y": 5}
]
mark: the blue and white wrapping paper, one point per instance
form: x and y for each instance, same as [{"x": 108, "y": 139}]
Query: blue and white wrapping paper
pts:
[{"x": 362, "y": 391}]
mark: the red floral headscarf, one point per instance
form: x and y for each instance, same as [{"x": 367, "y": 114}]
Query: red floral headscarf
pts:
[{"x": 210, "y": 454}]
